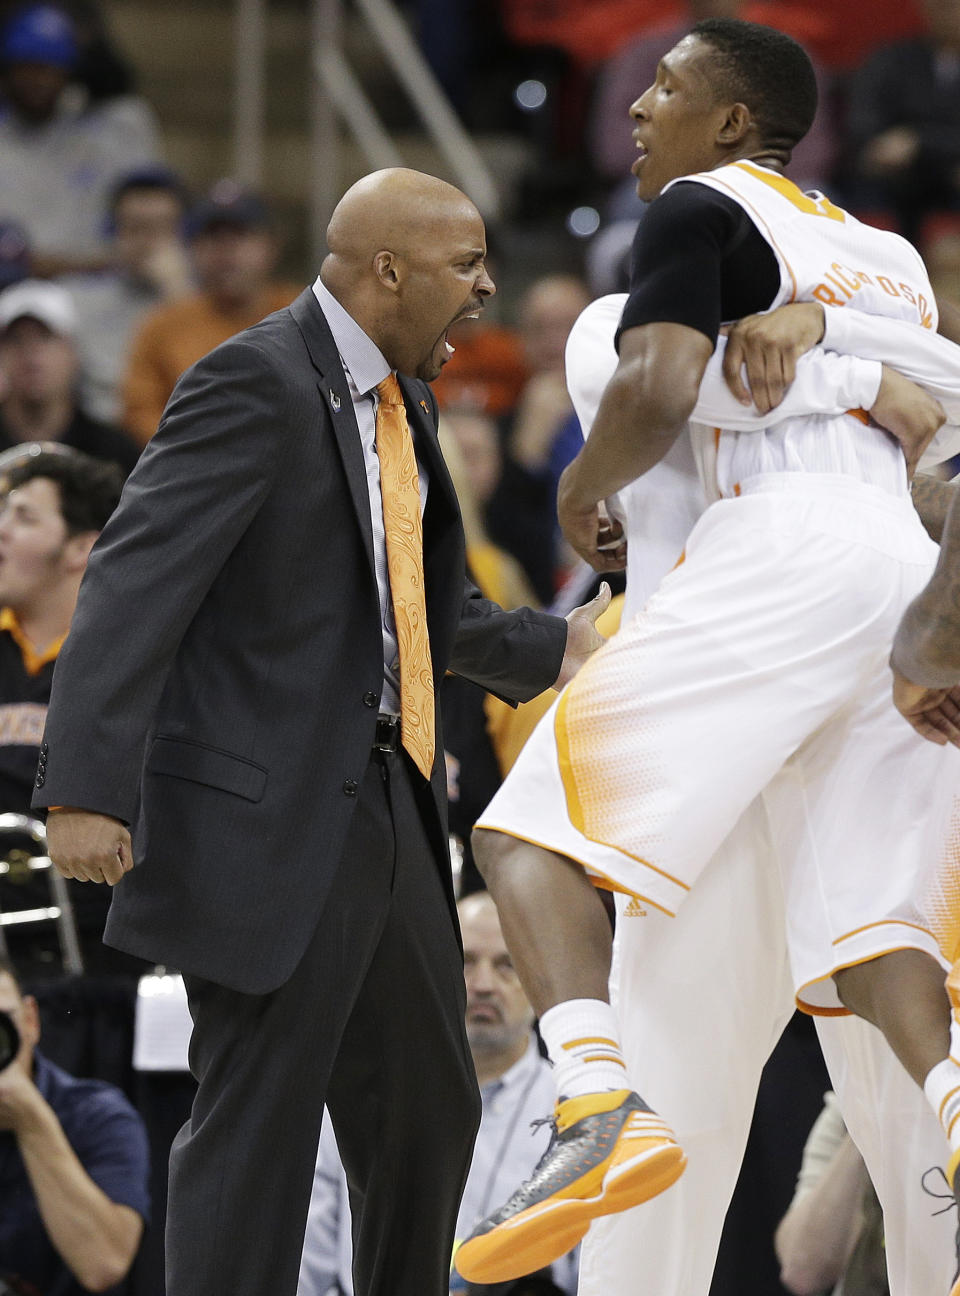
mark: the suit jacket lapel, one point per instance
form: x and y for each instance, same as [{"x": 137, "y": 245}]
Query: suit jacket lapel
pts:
[{"x": 335, "y": 394}]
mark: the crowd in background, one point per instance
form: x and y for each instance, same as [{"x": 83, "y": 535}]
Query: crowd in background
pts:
[{"x": 115, "y": 278}]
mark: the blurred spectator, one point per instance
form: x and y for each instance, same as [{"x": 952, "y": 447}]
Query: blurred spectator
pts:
[
  {"x": 478, "y": 446},
  {"x": 39, "y": 373},
  {"x": 235, "y": 253},
  {"x": 59, "y": 158},
  {"x": 515, "y": 1088},
  {"x": 941, "y": 252},
  {"x": 487, "y": 371},
  {"x": 73, "y": 1169},
  {"x": 100, "y": 71},
  {"x": 831, "y": 1238},
  {"x": 608, "y": 256},
  {"x": 630, "y": 72},
  {"x": 543, "y": 435},
  {"x": 903, "y": 124},
  {"x": 835, "y": 34},
  {"x": 471, "y": 447},
  {"x": 57, "y": 503},
  {"x": 586, "y": 30},
  {"x": 150, "y": 267},
  {"x": 14, "y": 254}
]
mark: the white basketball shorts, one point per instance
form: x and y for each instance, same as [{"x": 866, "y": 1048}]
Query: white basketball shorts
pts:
[{"x": 760, "y": 667}]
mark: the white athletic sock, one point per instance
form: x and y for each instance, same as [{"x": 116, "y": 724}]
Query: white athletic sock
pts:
[
  {"x": 583, "y": 1044},
  {"x": 942, "y": 1087}
]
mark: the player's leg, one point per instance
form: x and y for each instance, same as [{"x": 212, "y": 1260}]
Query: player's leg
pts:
[
  {"x": 701, "y": 1000},
  {"x": 900, "y": 1139},
  {"x": 638, "y": 774},
  {"x": 902, "y": 993},
  {"x": 867, "y": 920}
]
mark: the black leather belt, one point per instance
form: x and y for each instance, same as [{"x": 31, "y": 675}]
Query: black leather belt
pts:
[{"x": 387, "y": 734}]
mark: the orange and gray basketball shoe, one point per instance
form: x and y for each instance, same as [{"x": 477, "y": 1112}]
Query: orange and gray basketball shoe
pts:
[{"x": 609, "y": 1152}]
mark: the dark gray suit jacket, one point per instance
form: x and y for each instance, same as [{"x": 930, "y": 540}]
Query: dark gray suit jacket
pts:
[{"x": 220, "y": 684}]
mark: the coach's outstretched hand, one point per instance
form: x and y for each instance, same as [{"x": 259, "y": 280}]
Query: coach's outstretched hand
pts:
[
  {"x": 583, "y": 637},
  {"x": 88, "y": 847}
]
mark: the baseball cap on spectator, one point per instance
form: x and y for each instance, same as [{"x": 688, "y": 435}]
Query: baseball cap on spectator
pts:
[
  {"x": 39, "y": 34},
  {"x": 229, "y": 204},
  {"x": 14, "y": 253},
  {"x": 40, "y": 300}
]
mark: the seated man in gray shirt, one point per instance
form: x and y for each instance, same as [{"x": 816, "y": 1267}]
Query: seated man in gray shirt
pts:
[{"x": 515, "y": 1087}]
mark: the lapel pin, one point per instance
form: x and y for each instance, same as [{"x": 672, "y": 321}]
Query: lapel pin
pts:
[
  {"x": 334, "y": 401},
  {"x": 424, "y": 407}
]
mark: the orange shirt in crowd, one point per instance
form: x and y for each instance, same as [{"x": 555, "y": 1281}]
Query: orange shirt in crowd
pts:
[
  {"x": 487, "y": 372},
  {"x": 174, "y": 337},
  {"x": 590, "y": 31}
]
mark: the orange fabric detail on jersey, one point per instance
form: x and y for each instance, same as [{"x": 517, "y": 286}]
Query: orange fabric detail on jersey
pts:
[
  {"x": 576, "y": 809},
  {"x": 403, "y": 526},
  {"x": 884, "y": 922},
  {"x": 941, "y": 904},
  {"x": 955, "y": 1089},
  {"x": 860, "y": 414},
  {"x": 793, "y": 194},
  {"x": 598, "y": 879},
  {"x": 591, "y": 1039}
]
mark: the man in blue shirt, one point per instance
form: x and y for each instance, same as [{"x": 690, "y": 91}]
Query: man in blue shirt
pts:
[
  {"x": 73, "y": 1168},
  {"x": 516, "y": 1091}
]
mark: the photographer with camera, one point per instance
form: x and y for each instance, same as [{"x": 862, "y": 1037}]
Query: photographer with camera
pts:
[{"x": 73, "y": 1166}]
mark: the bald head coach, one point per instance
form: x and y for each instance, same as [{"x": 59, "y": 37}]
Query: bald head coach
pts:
[{"x": 243, "y": 739}]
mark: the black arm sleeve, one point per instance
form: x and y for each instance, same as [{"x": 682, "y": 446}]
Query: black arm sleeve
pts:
[{"x": 698, "y": 259}]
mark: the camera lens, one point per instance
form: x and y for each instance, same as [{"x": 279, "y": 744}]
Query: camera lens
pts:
[{"x": 9, "y": 1040}]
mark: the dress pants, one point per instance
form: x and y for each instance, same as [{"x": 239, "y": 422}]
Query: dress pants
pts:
[{"x": 371, "y": 1023}]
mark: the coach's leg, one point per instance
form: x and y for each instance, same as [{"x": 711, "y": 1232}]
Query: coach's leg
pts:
[
  {"x": 241, "y": 1169},
  {"x": 404, "y": 1099},
  {"x": 700, "y": 1014}
]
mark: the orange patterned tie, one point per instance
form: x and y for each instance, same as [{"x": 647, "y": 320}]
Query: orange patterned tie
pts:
[{"x": 400, "y": 489}]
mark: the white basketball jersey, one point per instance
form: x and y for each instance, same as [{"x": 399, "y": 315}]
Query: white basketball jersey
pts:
[{"x": 827, "y": 255}]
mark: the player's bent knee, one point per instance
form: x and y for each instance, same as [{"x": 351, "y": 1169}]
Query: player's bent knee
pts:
[
  {"x": 491, "y": 851},
  {"x": 855, "y": 990}
]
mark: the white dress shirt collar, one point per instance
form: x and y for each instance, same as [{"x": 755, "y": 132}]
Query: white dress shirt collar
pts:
[{"x": 361, "y": 356}]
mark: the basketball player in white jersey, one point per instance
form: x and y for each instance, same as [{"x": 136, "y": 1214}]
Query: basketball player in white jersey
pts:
[
  {"x": 733, "y": 921},
  {"x": 757, "y": 668}
]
